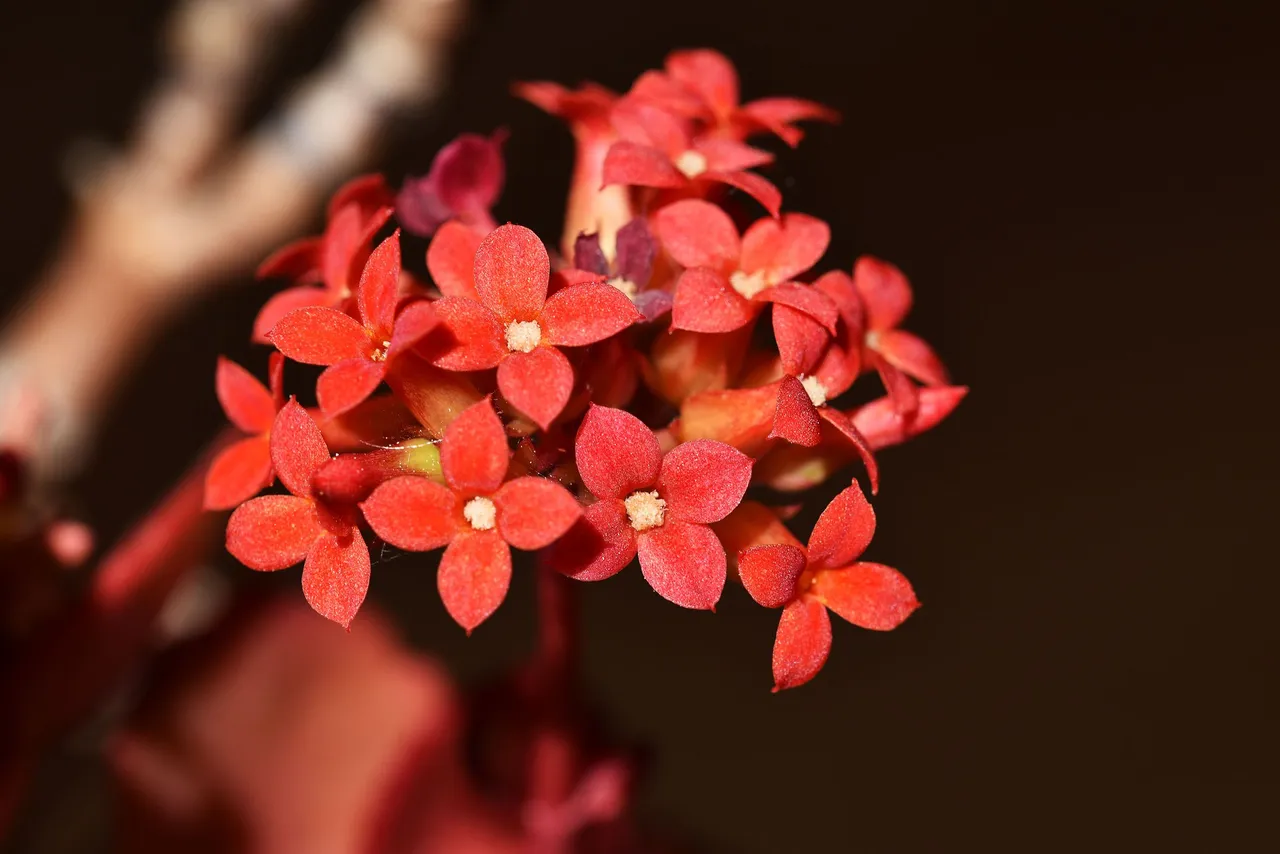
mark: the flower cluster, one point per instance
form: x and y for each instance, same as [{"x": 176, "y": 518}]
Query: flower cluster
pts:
[{"x": 609, "y": 400}]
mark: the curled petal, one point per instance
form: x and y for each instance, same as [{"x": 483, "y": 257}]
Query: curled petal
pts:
[
  {"x": 870, "y": 595},
  {"x": 533, "y": 512},
  {"x": 684, "y": 563},
  {"x": 380, "y": 286},
  {"x": 805, "y": 298},
  {"x": 653, "y": 304},
  {"x": 297, "y": 448},
  {"x": 784, "y": 247},
  {"x": 469, "y": 337},
  {"x": 451, "y": 260},
  {"x": 802, "y": 341},
  {"x": 473, "y": 578},
  {"x": 299, "y": 261},
  {"x": 903, "y": 392},
  {"x": 698, "y": 234},
  {"x": 911, "y": 355},
  {"x": 597, "y": 546},
  {"x": 246, "y": 401},
  {"x": 778, "y": 116},
  {"x": 474, "y": 453},
  {"x": 512, "y": 271},
  {"x": 848, "y": 431},
  {"x": 770, "y": 573},
  {"x": 884, "y": 290},
  {"x": 843, "y": 531},
  {"x": 240, "y": 472},
  {"x": 883, "y": 425},
  {"x": 284, "y": 302},
  {"x": 702, "y": 481},
  {"x": 587, "y": 313},
  {"x": 412, "y": 513},
  {"x": 636, "y": 249},
  {"x": 727, "y": 155},
  {"x": 344, "y": 386},
  {"x": 802, "y": 644},
  {"x": 704, "y": 302},
  {"x": 796, "y": 419},
  {"x": 415, "y": 321},
  {"x": 616, "y": 454},
  {"x": 838, "y": 368},
  {"x": 636, "y": 165},
  {"x": 320, "y": 336},
  {"x": 760, "y": 189},
  {"x": 838, "y": 285},
  {"x": 335, "y": 578},
  {"x": 538, "y": 383},
  {"x": 272, "y": 532}
]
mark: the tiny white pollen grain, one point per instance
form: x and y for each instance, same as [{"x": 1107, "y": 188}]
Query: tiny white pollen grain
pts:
[
  {"x": 523, "y": 335},
  {"x": 645, "y": 510}
]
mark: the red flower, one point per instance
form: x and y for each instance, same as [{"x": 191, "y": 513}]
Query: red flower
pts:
[
  {"x": 465, "y": 180},
  {"x": 356, "y": 212},
  {"x": 657, "y": 149},
  {"x": 477, "y": 515},
  {"x": 828, "y": 575},
  {"x": 357, "y": 352},
  {"x": 244, "y": 469},
  {"x": 654, "y": 505},
  {"x": 514, "y": 326},
  {"x": 277, "y": 531}
]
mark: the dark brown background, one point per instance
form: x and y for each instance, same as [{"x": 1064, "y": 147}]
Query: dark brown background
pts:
[{"x": 1085, "y": 196}]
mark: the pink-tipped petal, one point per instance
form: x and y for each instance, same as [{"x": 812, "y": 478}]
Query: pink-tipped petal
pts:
[
  {"x": 587, "y": 313},
  {"x": 380, "y": 286},
  {"x": 451, "y": 260},
  {"x": 784, "y": 247},
  {"x": 297, "y": 448},
  {"x": 412, "y": 513},
  {"x": 847, "y": 429},
  {"x": 512, "y": 272},
  {"x": 770, "y": 573},
  {"x": 320, "y": 336},
  {"x": 538, "y": 383},
  {"x": 760, "y": 189},
  {"x": 843, "y": 531},
  {"x": 884, "y": 290},
  {"x": 796, "y": 419},
  {"x": 473, "y": 578},
  {"x": 597, "y": 546},
  {"x": 912, "y": 356},
  {"x": 802, "y": 644},
  {"x": 705, "y": 302},
  {"x": 636, "y": 165},
  {"x": 470, "y": 338},
  {"x": 703, "y": 480},
  {"x": 272, "y": 532},
  {"x": 616, "y": 454},
  {"x": 246, "y": 401},
  {"x": 346, "y": 385},
  {"x": 802, "y": 341},
  {"x": 870, "y": 595},
  {"x": 240, "y": 472},
  {"x": 284, "y": 302},
  {"x": 697, "y": 233},
  {"x": 884, "y": 426},
  {"x": 335, "y": 578},
  {"x": 684, "y": 563},
  {"x": 533, "y": 512},
  {"x": 474, "y": 453}
]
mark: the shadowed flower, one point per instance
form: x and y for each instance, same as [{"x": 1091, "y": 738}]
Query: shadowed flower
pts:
[
  {"x": 631, "y": 269},
  {"x": 465, "y": 180}
]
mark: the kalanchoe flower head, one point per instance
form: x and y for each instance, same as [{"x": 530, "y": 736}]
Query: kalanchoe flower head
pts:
[
  {"x": 277, "y": 531},
  {"x": 327, "y": 267},
  {"x": 656, "y": 505},
  {"x": 632, "y": 268},
  {"x": 244, "y": 469},
  {"x": 805, "y": 583},
  {"x": 357, "y": 352},
  {"x": 465, "y": 180},
  {"x": 477, "y": 514},
  {"x": 515, "y": 327}
]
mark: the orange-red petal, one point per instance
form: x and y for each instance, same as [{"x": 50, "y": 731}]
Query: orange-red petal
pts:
[
  {"x": 637, "y": 165},
  {"x": 884, "y": 290},
  {"x": 703, "y": 480},
  {"x": 615, "y": 453},
  {"x": 911, "y": 355},
  {"x": 380, "y": 286},
  {"x": 846, "y": 428},
  {"x": 246, "y": 401},
  {"x": 684, "y": 563},
  {"x": 284, "y": 302},
  {"x": 538, "y": 383},
  {"x": 512, "y": 271},
  {"x": 770, "y": 573},
  {"x": 474, "y": 453},
  {"x": 533, "y": 512},
  {"x": 697, "y": 233},
  {"x": 451, "y": 260},
  {"x": 297, "y": 448},
  {"x": 760, "y": 189},
  {"x": 597, "y": 546},
  {"x": 473, "y": 578},
  {"x": 784, "y": 247},
  {"x": 584, "y": 314},
  {"x": 335, "y": 578},
  {"x": 347, "y": 384},
  {"x": 240, "y": 472},
  {"x": 843, "y": 531},
  {"x": 870, "y": 595},
  {"x": 320, "y": 336},
  {"x": 470, "y": 338},
  {"x": 802, "y": 644},
  {"x": 705, "y": 302},
  {"x": 272, "y": 532},
  {"x": 412, "y": 513},
  {"x": 796, "y": 419}
]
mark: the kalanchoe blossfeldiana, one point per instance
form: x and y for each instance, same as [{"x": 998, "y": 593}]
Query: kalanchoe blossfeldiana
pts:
[{"x": 609, "y": 402}]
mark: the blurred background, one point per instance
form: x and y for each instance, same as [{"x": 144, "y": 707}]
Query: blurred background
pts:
[{"x": 1086, "y": 197}]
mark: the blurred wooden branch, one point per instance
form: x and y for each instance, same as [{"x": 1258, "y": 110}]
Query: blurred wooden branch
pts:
[{"x": 187, "y": 205}]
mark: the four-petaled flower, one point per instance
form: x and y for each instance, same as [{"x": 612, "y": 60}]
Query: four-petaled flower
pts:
[
  {"x": 243, "y": 469},
  {"x": 656, "y": 505},
  {"x": 478, "y": 515},
  {"x": 805, "y": 583}
]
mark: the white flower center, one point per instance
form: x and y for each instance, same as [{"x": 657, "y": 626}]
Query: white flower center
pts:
[
  {"x": 748, "y": 284},
  {"x": 627, "y": 286},
  {"x": 817, "y": 391},
  {"x": 380, "y": 354},
  {"x": 645, "y": 510},
  {"x": 691, "y": 163},
  {"x": 481, "y": 513},
  {"x": 523, "y": 335},
  {"x": 873, "y": 340}
]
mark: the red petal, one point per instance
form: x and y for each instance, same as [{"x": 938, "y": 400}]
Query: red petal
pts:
[
  {"x": 369, "y": 193},
  {"x": 238, "y": 473},
  {"x": 412, "y": 324},
  {"x": 796, "y": 419},
  {"x": 806, "y": 298},
  {"x": 838, "y": 368},
  {"x": 802, "y": 342},
  {"x": 784, "y": 247},
  {"x": 412, "y": 513},
  {"x": 647, "y": 124},
  {"x": 844, "y": 425},
  {"x": 284, "y": 302},
  {"x": 698, "y": 234},
  {"x": 335, "y": 578},
  {"x": 839, "y": 286},
  {"x": 884, "y": 290},
  {"x": 297, "y": 448},
  {"x": 703, "y": 480},
  {"x": 752, "y": 524},
  {"x": 584, "y": 314},
  {"x": 275, "y": 378},
  {"x": 272, "y": 532},
  {"x": 883, "y": 425},
  {"x": 320, "y": 336},
  {"x": 770, "y": 573},
  {"x": 753, "y": 185},
  {"x": 470, "y": 338},
  {"x": 346, "y": 244},
  {"x": 347, "y": 384},
  {"x": 684, "y": 563},
  {"x": 474, "y": 575},
  {"x": 638, "y": 165},
  {"x": 709, "y": 73},
  {"x": 451, "y": 259},
  {"x": 705, "y": 302},
  {"x": 911, "y": 355},
  {"x": 380, "y": 286},
  {"x": 474, "y": 453},
  {"x": 843, "y": 531},
  {"x": 245, "y": 400},
  {"x": 512, "y": 271},
  {"x": 740, "y": 417},
  {"x": 616, "y": 454},
  {"x": 802, "y": 644},
  {"x": 299, "y": 260},
  {"x": 533, "y": 512},
  {"x": 900, "y": 387},
  {"x": 727, "y": 155},
  {"x": 537, "y": 383},
  {"x": 598, "y": 546},
  {"x": 777, "y": 115},
  {"x": 870, "y": 595}
]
